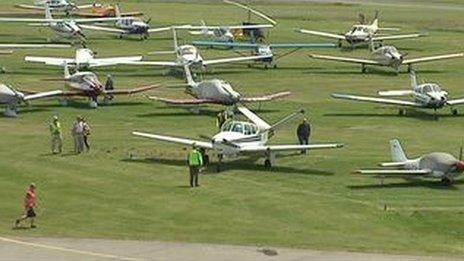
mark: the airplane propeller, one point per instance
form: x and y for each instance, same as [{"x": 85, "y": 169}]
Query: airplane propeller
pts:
[{"x": 148, "y": 21}]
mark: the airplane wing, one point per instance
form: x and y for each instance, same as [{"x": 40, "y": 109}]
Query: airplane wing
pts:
[
  {"x": 103, "y": 29},
  {"x": 35, "y": 7},
  {"x": 103, "y": 15},
  {"x": 131, "y": 91},
  {"x": 432, "y": 58},
  {"x": 376, "y": 100},
  {"x": 394, "y": 172},
  {"x": 265, "y": 97},
  {"x": 394, "y": 37},
  {"x": 42, "y": 20},
  {"x": 160, "y": 29},
  {"x": 114, "y": 60},
  {"x": 323, "y": 34},
  {"x": 235, "y": 59},
  {"x": 42, "y": 95},
  {"x": 181, "y": 101},
  {"x": 301, "y": 45},
  {"x": 94, "y": 20},
  {"x": 260, "y": 148},
  {"x": 455, "y": 102},
  {"x": 212, "y": 27},
  {"x": 7, "y": 52},
  {"x": 395, "y": 93},
  {"x": 344, "y": 59},
  {"x": 183, "y": 141},
  {"x": 57, "y": 61},
  {"x": 152, "y": 63},
  {"x": 11, "y": 46},
  {"x": 226, "y": 44}
]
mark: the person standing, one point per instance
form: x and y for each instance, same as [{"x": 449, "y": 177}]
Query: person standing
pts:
[
  {"x": 57, "y": 136},
  {"x": 304, "y": 132},
  {"x": 30, "y": 203},
  {"x": 86, "y": 133},
  {"x": 195, "y": 161},
  {"x": 78, "y": 134}
]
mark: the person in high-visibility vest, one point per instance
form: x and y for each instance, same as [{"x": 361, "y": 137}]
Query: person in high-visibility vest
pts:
[
  {"x": 57, "y": 136},
  {"x": 195, "y": 161}
]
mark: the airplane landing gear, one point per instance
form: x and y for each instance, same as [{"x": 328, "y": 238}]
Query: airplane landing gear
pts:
[
  {"x": 64, "y": 102},
  {"x": 409, "y": 68},
  {"x": 10, "y": 111},
  {"x": 454, "y": 112},
  {"x": 93, "y": 103},
  {"x": 402, "y": 112},
  {"x": 270, "y": 160},
  {"x": 447, "y": 181},
  {"x": 363, "y": 68},
  {"x": 267, "y": 164},
  {"x": 219, "y": 165}
]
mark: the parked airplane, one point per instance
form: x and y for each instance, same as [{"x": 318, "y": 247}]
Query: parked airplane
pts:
[
  {"x": 362, "y": 33},
  {"x": 8, "y": 48},
  {"x": 87, "y": 84},
  {"x": 214, "y": 91},
  {"x": 63, "y": 28},
  {"x": 128, "y": 26},
  {"x": 425, "y": 95},
  {"x": 57, "y": 5},
  {"x": 189, "y": 55},
  {"x": 106, "y": 11},
  {"x": 435, "y": 165},
  {"x": 84, "y": 58},
  {"x": 386, "y": 56},
  {"x": 225, "y": 33},
  {"x": 240, "y": 137},
  {"x": 12, "y": 98},
  {"x": 265, "y": 49}
]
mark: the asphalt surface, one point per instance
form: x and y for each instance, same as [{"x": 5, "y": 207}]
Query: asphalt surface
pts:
[{"x": 51, "y": 249}]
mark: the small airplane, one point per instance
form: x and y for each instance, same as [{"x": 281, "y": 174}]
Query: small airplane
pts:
[
  {"x": 425, "y": 95},
  {"x": 243, "y": 137},
  {"x": 63, "y": 28},
  {"x": 84, "y": 58},
  {"x": 225, "y": 33},
  {"x": 362, "y": 33},
  {"x": 435, "y": 165},
  {"x": 56, "y": 5},
  {"x": 189, "y": 55},
  {"x": 106, "y": 11},
  {"x": 253, "y": 34},
  {"x": 87, "y": 84},
  {"x": 386, "y": 56},
  {"x": 128, "y": 26},
  {"x": 8, "y": 48},
  {"x": 265, "y": 49},
  {"x": 12, "y": 98},
  {"x": 214, "y": 91}
]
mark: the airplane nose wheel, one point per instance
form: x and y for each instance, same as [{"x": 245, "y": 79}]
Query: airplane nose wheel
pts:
[
  {"x": 267, "y": 164},
  {"x": 446, "y": 181},
  {"x": 219, "y": 165},
  {"x": 454, "y": 112},
  {"x": 402, "y": 112}
]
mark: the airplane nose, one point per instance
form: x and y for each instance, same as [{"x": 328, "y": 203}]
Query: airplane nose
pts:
[{"x": 460, "y": 166}]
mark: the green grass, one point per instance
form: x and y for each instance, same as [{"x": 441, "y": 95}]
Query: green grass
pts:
[{"x": 306, "y": 202}]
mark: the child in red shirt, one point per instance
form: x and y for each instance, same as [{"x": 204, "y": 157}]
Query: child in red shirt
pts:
[{"x": 30, "y": 203}]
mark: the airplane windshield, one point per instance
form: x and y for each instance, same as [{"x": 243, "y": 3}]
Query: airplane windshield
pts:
[
  {"x": 188, "y": 50},
  {"x": 237, "y": 127}
]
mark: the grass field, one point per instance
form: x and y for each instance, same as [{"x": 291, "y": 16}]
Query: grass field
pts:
[{"x": 305, "y": 202}]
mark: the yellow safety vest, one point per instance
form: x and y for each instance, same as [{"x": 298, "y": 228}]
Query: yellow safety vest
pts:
[{"x": 195, "y": 158}]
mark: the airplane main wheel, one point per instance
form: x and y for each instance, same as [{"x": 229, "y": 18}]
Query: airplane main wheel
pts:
[
  {"x": 402, "y": 112},
  {"x": 266, "y": 66},
  {"x": 446, "y": 181},
  {"x": 267, "y": 164},
  {"x": 454, "y": 112},
  {"x": 205, "y": 159}
]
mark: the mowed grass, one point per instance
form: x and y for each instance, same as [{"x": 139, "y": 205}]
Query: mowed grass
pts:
[{"x": 131, "y": 188}]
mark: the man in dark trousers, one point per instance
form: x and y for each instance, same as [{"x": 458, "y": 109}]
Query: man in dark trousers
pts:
[
  {"x": 195, "y": 161},
  {"x": 304, "y": 132},
  {"x": 30, "y": 203}
]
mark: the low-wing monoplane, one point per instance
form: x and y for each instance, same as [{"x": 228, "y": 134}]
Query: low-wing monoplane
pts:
[
  {"x": 225, "y": 33},
  {"x": 362, "y": 33},
  {"x": 264, "y": 49},
  {"x": 214, "y": 91},
  {"x": 13, "y": 98},
  {"x": 435, "y": 165},
  {"x": 84, "y": 58},
  {"x": 425, "y": 95},
  {"x": 57, "y": 5},
  {"x": 386, "y": 56},
  {"x": 243, "y": 137},
  {"x": 107, "y": 10}
]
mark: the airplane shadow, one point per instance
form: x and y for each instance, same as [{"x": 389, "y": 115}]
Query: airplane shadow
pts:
[
  {"x": 421, "y": 115},
  {"x": 370, "y": 70},
  {"x": 410, "y": 183},
  {"x": 237, "y": 164},
  {"x": 203, "y": 112}
]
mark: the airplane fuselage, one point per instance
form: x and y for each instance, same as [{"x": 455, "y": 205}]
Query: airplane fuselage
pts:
[
  {"x": 66, "y": 29},
  {"x": 237, "y": 135},
  {"x": 8, "y": 95},
  {"x": 431, "y": 95},
  {"x": 133, "y": 26},
  {"x": 85, "y": 82},
  {"x": 188, "y": 54},
  {"x": 360, "y": 34},
  {"x": 442, "y": 165},
  {"x": 215, "y": 90},
  {"x": 388, "y": 56}
]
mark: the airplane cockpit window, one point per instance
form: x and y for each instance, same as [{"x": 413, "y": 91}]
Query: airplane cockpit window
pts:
[
  {"x": 248, "y": 130},
  {"x": 188, "y": 50},
  {"x": 435, "y": 87},
  {"x": 226, "y": 126},
  {"x": 426, "y": 88},
  {"x": 237, "y": 127}
]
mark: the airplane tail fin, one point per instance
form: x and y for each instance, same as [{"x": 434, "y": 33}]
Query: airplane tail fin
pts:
[
  {"x": 188, "y": 75},
  {"x": 413, "y": 79},
  {"x": 204, "y": 29},
  {"x": 397, "y": 151},
  {"x": 174, "y": 38},
  {"x": 375, "y": 22},
  {"x": 287, "y": 119},
  {"x": 48, "y": 13},
  {"x": 117, "y": 11}
]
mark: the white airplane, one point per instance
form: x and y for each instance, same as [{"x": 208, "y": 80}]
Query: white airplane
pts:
[
  {"x": 84, "y": 58},
  {"x": 425, "y": 95},
  {"x": 88, "y": 85},
  {"x": 225, "y": 33},
  {"x": 240, "y": 137},
  {"x": 56, "y": 5},
  {"x": 63, "y": 28},
  {"x": 128, "y": 26},
  {"x": 435, "y": 165},
  {"x": 12, "y": 98},
  {"x": 214, "y": 91},
  {"x": 362, "y": 33},
  {"x": 189, "y": 55},
  {"x": 8, "y": 48},
  {"x": 386, "y": 56}
]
